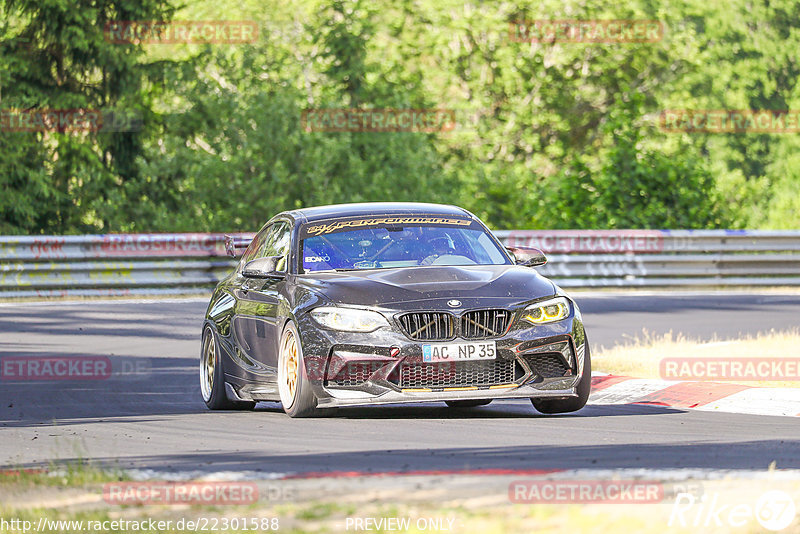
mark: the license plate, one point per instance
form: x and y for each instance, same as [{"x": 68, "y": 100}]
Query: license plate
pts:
[{"x": 459, "y": 352}]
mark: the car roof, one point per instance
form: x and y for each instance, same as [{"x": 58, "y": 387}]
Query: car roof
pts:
[{"x": 376, "y": 208}]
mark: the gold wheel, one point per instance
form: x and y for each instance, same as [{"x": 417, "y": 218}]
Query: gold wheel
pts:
[
  {"x": 208, "y": 367},
  {"x": 291, "y": 364},
  {"x": 295, "y": 389},
  {"x": 290, "y": 368}
]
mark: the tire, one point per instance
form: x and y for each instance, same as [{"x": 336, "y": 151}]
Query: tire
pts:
[
  {"x": 212, "y": 381},
  {"x": 293, "y": 385},
  {"x": 468, "y": 403},
  {"x": 575, "y": 403}
]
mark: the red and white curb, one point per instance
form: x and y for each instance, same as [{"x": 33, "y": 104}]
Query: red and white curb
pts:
[{"x": 708, "y": 396}]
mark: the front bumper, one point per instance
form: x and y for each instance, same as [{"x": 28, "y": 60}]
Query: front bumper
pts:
[{"x": 386, "y": 367}]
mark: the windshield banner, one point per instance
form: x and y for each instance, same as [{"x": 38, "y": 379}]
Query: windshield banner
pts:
[{"x": 330, "y": 226}]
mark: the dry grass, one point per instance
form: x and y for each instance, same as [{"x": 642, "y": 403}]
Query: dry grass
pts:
[
  {"x": 641, "y": 356},
  {"x": 481, "y": 506}
]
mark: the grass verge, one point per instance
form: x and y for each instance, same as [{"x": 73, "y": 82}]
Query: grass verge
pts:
[
  {"x": 641, "y": 356},
  {"x": 439, "y": 504}
]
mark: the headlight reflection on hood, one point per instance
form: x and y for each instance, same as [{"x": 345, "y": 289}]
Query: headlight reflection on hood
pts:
[
  {"x": 348, "y": 319},
  {"x": 547, "y": 311}
]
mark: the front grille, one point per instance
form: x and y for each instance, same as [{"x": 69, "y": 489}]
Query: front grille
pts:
[
  {"x": 547, "y": 365},
  {"x": 476, "y": 373},
  {"x": 441, "y": 326},
  {"x": 428, "y": 326},
  {"x": 483, "y": 324}
]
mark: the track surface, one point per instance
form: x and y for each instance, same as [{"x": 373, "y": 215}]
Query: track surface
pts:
[{"x": 156, "y": 420}]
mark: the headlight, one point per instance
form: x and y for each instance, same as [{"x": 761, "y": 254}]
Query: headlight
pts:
[
  {"x": 548, "y": 311},
  {"x": 349, "y": 319}
]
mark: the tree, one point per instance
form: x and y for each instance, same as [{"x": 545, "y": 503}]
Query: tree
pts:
[{"x": 56, "y": 56}]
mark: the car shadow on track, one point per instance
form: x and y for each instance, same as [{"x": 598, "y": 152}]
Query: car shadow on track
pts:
[
  {"x": 498, "y": 409},
  {"x": 755, "y": 454},
  {"x": 143, "y": 320},
  {"x": 133, "y": 387},
  {"x": 139, "y": 389}
]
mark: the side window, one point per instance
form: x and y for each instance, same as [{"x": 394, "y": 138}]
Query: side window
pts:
[
  {"x": 276, "y": 243},
  {"x": 254, "y": 246}
]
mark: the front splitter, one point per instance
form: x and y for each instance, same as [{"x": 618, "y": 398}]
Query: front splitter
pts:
[{"x": 343, "y": 397}]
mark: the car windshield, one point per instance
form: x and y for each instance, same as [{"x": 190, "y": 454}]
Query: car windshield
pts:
[{"x": 406, "y": 245}]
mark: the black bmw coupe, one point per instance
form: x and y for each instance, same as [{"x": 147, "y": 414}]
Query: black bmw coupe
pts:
[{"x": 378, "y": 303}]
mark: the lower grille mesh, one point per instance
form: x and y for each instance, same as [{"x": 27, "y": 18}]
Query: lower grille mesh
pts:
[
  {"x": 547, "y": 365},
  {"x": 477, "y": 373},
  {"x": 355, "y": 374}
]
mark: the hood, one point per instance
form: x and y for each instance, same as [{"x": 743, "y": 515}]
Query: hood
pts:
[{"x": 502, "y": 284}]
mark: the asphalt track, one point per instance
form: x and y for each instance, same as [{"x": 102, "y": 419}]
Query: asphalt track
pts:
[{"x": 153, "y": 418}]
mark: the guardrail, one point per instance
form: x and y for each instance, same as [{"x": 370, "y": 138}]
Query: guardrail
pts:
[
  {"x": 130, "y": 264},
  {"x": 113, "y": 264},
  {"x": 653, "y": 258}
]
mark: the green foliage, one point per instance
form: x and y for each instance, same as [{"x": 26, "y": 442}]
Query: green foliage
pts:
[
  {"x": 635, "y": 185},
  {"x": 54, "y": 55},
  {"x": 25, "y": 187},
  {"x": 549, "y": 135}
]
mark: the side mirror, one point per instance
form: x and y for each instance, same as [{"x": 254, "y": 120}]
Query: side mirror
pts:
[
  {"x": 528, "y": 257},
  {"x": 235, "y": 244},
  {"x": 230, "y": 246},
  {"x": 263, "y": 268}
]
